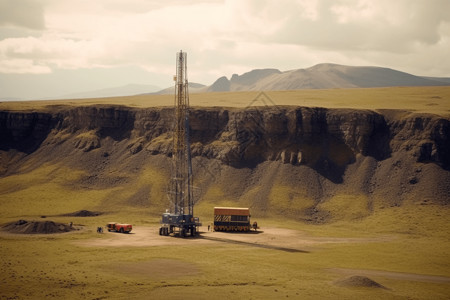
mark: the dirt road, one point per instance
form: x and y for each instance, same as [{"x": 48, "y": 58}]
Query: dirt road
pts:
[
  {"x": 278, "y": 239},
  {"x": 271, "y": 238}
]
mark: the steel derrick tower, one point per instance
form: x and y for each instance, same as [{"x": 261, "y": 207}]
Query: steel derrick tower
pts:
[
  {"x": 181, "y": 181},
  {"x": 180, "y": 219}
]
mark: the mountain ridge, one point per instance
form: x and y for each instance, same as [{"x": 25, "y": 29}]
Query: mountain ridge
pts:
[
  {"x": 322, "y": 76},
  {"x": 319, "y": 76}
]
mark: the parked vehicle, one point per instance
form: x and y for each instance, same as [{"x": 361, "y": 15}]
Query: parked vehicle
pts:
[{"x": 118, "y": 227}]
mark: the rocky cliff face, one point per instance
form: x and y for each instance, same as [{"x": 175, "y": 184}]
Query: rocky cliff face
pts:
[
  {"x": 333, "y": 143},
  {"x": 316, "y": 137}
]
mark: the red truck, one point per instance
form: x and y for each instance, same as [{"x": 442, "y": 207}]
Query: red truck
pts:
[{"x": 117, "y": 227}]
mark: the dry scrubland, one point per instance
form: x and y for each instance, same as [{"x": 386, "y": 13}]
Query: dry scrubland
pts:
[
  {"x": 434, "y": 100},
  {"x": 399, "y": 252}
]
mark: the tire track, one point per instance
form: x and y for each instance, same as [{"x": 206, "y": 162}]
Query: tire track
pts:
[{"x": 265, "y": 246}]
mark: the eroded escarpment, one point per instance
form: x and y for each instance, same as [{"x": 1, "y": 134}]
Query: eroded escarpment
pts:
[
  {"x": 383, "y": 154},
  {"x": 241, "y": 137}
]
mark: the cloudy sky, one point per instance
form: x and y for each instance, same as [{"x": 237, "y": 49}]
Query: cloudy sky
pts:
[{"x": 57, "y": 47}]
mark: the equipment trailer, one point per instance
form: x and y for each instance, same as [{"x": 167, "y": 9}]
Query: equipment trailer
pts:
[
  {"x": 233, "y": 219},
  {"x": 180, "y": 220}
]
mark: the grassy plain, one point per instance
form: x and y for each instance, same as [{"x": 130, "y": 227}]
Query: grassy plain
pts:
[
  {"x": 417, "y": 99},
  {"x": 405, "y": 249}
]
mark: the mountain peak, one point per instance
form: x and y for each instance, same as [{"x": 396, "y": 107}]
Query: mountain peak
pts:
[
  {"x": 241, "y": 82},
  {"x": 321, "y": 76}
]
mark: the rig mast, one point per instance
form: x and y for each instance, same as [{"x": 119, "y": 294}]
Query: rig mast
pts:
[
  {"x": 181, "y": 215},
  {"x": 181, "y": 182}
]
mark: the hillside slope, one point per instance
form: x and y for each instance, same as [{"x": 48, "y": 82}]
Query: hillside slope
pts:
[
  {"x": 306, "y": 163},
  {"x": 321, "y": 76},
  {"x": 193, "y": 88}
]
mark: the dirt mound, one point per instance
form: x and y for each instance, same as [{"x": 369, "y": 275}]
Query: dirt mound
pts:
[
  {"x": 37, "y": 227},
  {"x": 359, "y": 281},
  {"x": 83, "y": 213}
]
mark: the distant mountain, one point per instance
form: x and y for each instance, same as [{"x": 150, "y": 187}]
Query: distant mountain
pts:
[
  {"x": 126, "y": 90},
  {"x": 246, "y": 81},
  {"x": 10, "y": 99},
  {"x": 322, "y": 76},
  {"x": 193, "y": 88},
  {"x": 440, "y": 79}
]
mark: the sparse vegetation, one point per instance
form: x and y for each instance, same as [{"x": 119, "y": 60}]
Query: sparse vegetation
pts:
[
  {"x": 434, "y": 100},
  {"x": 399, "y": 243},
  {"x": 347, "y": 207},
  {"x": 411, "y": 239}
]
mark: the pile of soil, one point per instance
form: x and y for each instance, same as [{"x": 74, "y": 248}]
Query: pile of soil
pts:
[
  {"x": 359, "y": 281},
  {"x": 37, "y": 227},
  {"x": 83, "y": 213}
]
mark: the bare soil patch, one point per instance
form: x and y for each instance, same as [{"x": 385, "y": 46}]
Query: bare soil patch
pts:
[
  {"x": 270, "y": 238},
  {"x": 159, "y": 268},
  {"x": 37, "y": 227},
  {"x": 393, "y": 275},
  {"x": 139, "y": 237}
]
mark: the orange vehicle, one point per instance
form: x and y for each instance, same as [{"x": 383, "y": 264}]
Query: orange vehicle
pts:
[{"x": 117, "y": 227}]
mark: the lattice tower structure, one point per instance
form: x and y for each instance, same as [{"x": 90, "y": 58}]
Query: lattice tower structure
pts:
[{"x": 181, "y": 180}]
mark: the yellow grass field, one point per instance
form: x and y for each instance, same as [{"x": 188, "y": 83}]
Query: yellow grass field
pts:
[
  {"x": 405, "y": 249},
  {"x": 434, "y": 100}
]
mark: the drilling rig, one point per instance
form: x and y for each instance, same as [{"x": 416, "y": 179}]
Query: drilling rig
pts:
[{"x": 180, "y": 218}]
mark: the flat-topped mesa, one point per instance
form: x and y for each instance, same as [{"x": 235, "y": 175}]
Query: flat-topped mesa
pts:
[
  {"x": 317, "y": 137},
  {"x": 248, "y": 154}
]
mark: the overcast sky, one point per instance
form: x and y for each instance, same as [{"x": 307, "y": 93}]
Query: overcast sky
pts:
[{"x": 57, "y": 47}]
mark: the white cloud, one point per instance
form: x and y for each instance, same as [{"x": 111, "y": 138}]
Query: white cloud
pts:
[
  {"x": 223, "y": 37},
  {"x": 22, "y": 66},
  {"x": 361, "y": 11},
  {"x": 118, "y": 34},
  {"x": 387, "y": 26},
  {"x": 46, "y": 52},
  {"x": 24, "y": 13}
]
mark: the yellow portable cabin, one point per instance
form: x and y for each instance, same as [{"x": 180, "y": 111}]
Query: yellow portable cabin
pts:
[{"x": 231, "y": 219}]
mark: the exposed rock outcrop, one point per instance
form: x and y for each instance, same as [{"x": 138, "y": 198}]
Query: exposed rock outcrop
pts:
[
  {"x": 24, "y": 131},
  {"x": 385, "y": 154},
  {"x": 243, "y": 137}
]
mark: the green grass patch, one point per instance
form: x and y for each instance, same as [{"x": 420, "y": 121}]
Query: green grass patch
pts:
[
  {"x": 411, "y": 238},
  {"x": 214, "y": 196},
  {"x": 289, "y": 201},
  {"x": 346, "y": 207}
]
